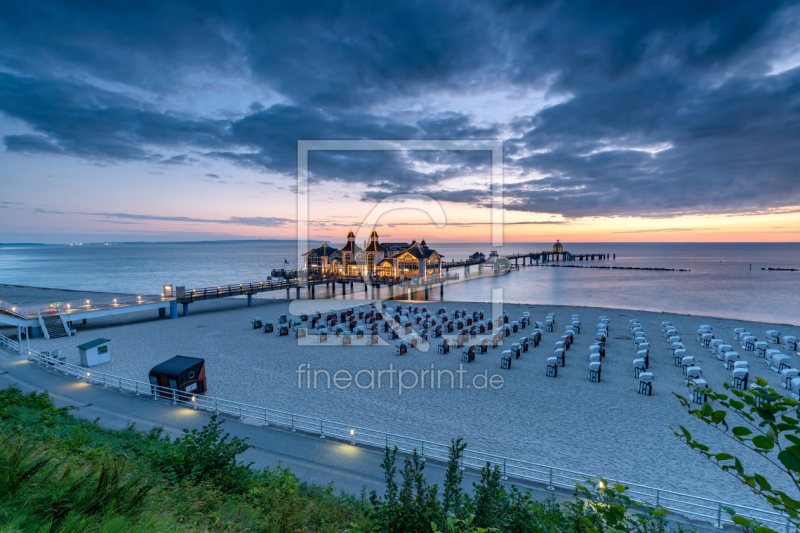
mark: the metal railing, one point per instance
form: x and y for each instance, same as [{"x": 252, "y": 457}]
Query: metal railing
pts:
[
  {"x": 8, "y": 343},
  {"x": 32, "y": 311},
  {"x": 550, "y": 476}
]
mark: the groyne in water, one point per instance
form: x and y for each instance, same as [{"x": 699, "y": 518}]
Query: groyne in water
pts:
[{"x": 621, "y": 268}]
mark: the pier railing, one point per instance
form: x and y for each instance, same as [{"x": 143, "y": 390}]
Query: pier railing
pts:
[
  {"x": 74, "y": 306},
  {"x": 549, "y": 476}
]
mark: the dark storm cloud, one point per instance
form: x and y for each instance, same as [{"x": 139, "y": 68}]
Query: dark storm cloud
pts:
[{"x": 666, "y": 108}]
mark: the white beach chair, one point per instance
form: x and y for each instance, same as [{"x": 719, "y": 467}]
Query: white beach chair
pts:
[
  {"x": 678, "y": 355},
  {"x": 713, "y": 345},
  {"x": 722, "y": 349},
  {"x": 693, "y": 373},
  {"x": 761, "y": 348},
  {"x": 780, "y": 361},
  {"x": 594, "y": 357},
  {"x": 790, "y": 342},
  {"x": 740, "y": 378},
  {"x": 737, "y": 332},
  {"x": 646, "y": 383},
  {"x": 730, "y": 359},
  {"x": 638, "y": 367},
  {"x": 700, "y": 394},
  {"x": 665, "y": 325},
  {"x": 676, "y": 346},
  {"x": 552, "y": 367},
  {"x": 707, "y": 338},
  {"x": 594, "y": 371},
  {"x": 773, "y": 336},
  {"x": 787, "y": 375},
  {"x": 559, "y": 354},
  {"x": 749, "y": 344},
  {"x": 687, "y": 362}
]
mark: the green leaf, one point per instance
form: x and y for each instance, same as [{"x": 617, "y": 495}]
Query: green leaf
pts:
[
  {"x": 723, "y": 457},
  {"x": 741, "y": 431},
  {"x": 706, "y": 410},
  {"x": 762, "y": 442},
  {"x": 737, "y": 405},
  {"x": 794, "y": 439},
  {"x": 789, "y": 460},
  {"x": 718, "y": 416},
  {"x": 762, "y": 482}
]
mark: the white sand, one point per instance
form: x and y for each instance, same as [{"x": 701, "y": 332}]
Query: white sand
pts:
[{"x": 606, "y": 428}]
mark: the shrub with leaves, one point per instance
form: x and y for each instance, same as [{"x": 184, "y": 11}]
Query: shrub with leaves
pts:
[
  {"x": 765, "y": 423},
  {"x": 206, "y": 454}
]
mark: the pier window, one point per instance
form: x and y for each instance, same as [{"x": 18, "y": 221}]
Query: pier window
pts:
[{"x": 370, "y": 263}]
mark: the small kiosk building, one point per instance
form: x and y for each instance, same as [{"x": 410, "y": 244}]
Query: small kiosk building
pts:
[
  {"x": 181, "y": 373},
  {"x": 95, "y": 352}
]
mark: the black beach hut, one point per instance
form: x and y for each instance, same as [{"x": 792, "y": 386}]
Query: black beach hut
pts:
[{"x": 181, "y": 373}]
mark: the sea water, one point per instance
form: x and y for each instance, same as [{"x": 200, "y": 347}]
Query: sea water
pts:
[{"x": 722, "y": 279}]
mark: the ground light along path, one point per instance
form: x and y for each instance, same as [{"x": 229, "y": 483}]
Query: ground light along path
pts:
[{"x": 567, "y": 421}]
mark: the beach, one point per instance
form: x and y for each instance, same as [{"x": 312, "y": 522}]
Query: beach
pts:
[{"x": 604, "y": 428}]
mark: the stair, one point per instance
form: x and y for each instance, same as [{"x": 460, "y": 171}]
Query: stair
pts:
[{"x": 55, "y": 327}]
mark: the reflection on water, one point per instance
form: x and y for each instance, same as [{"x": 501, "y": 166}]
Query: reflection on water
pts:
[{"x": 721, "y": 281}]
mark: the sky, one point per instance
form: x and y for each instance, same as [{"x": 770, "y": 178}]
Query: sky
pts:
[{"x": 620, "y": 121}]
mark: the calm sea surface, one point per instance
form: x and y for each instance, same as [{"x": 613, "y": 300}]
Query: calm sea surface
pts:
[{"x": 720, "y": 283}]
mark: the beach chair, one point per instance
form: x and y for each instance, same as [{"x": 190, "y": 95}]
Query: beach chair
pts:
[
  {"x": 713, "y": 346},
  {"x": 780, "y": 361},
  {"x": 730, "y": 359},
  {"x": 473, "y": 332},
  {"x": 468, "y": 354},
  {"x": 359, "y": 331},
  {"x": 523, "y": 343},
  {"x": 674, "y": 338},
  {"x": 552, "y": 367},
  {"x": 693, "y": 373},
  {"x": 284, "y": 330},
  {"x": 700, "y": 394},
  {"x": 790, "y": 342},
  {"x": 740, "y": 378},
  {"x": 642, "y": 354},
  {"x": 665, "y": 325},
  {"x": 678, "y": 355},
  {"x": 345, "y": 338},
  {"x": 722, "y": 349},
  {"x": 576, "y": 327},
  {"x": 638, "y": 367},
  {"x": 773, "y": 336},
  {"x": 323, "y": 335},
  {"x": 300, "y": 332},
  {"x": 548, "y": 327},
  {"x": 303, "y": 317},
  {"x": 646, "y": 383},
  {"x": 594, "y": 358},
  {"x": 505, "y": 360},
  {"x": 495, "y": 340},
  {"x": 283, "y": 319},
  {"x": 516, "y": 350},
  {"x": 600, "y": 338},
  {"x": 506, "y": 331},
  {"x": 644, "y": 347},
  {"x": 444, "y": 346},
  {"x": 787, "y": 375},
  {"x": 565, "y": 339},
  {"x": 707, "y": 338},
  {"x": 257, "y": 324},
  {"x": 737, "y": 332},
  {"x": 483, "y": 346},
  {"x": 761, "y": 348},
  {"x": 600, "y": 348},
  {"x": 268, "y": 327},
  {"x": 594, "y": 372},
  {"x": 676, "y": 346},
  {"x": 560, "y": 357},
  {"x": 687, "y": 362},
  {"x": 400, "y": 347},
  {"x": 749, "y": 343}
]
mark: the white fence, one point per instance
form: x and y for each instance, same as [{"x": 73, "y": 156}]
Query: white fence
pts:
[{"x": 549, "y": 476}]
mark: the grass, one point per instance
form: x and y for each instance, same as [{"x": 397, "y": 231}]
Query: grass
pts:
[{"x": 61, "y": 473}]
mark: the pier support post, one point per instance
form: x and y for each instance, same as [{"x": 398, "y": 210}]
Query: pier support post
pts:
[
  {"x": 312, "y": 292},
  {"x": 186, "y": 308},
  {"x": 162, "y": 313},
  {"x": 298, "y": 293},
  {"x": 249, "y": 301},
  {"x": 441, "y": 289},
  {"x": 426, "y": 293},
  {"x": 84, "y": 321},
  {"x": 173, "y": 309},
  {"x": 409, "y": 294}
]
